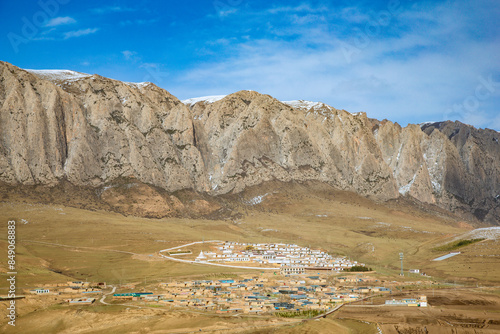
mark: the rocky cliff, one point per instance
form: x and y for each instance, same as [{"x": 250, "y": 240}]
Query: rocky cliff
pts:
[{"x": 90, "y": 131}]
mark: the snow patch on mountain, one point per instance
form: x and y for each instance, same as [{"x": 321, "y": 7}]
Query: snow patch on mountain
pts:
[
  {"x": 406, "y": 188},
  {"x": 138, "y": 84},
  {"x": 59, "y": 75},
  {"x": 71, "y": 76},
  {"x": 205, "y": 99},
  {"x": 306, "y": 105},
  {"x": 492, "y": 233},
  {"x": 256, "y": 200},
  {"x": 427, "y": 123}
]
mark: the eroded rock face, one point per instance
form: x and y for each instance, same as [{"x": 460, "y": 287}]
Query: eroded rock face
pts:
[
  {"x": 92, "y": 130},
  {"x": 247, "y": 138},
  {"x": 471, "y": 182}
]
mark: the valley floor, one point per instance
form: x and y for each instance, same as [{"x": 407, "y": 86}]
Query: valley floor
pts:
[{"x": 56, "y": 244}]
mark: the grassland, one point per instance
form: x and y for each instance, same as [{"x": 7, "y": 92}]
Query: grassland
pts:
[{"x": 60, "y": 243}]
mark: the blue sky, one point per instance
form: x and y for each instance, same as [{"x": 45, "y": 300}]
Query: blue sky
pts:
[{"x": 407, "y": 61}]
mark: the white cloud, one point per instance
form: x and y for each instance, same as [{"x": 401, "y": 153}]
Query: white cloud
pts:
[
  {"x": 79, "y": 33},
  {"x": 354, "y": 15},
  {"x": 227, "y": 12},
  {"x": 222, "y": 41},
  {"x": 150, "y": 65},
  {"x": 138, "y": 22},
  {"x": 57, "y": 21},
  {"x": 309, "y": 18},
  {"x": 112, "y": 9},
  {"x": 410, "y": 74},
  {"x": 300, "y": 8}
]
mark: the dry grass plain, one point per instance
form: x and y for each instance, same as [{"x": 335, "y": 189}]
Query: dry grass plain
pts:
[
  {"x": 450, "y": 311},
  {"x": 60, "y": 243}
]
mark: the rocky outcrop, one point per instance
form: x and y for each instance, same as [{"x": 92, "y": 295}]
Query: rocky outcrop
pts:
[
  {"x": 471, "y": 178},
  {"x": 91, "y": 130},
  {"x": 247, "y": 138},
  {"x": 431, "y": 167}
]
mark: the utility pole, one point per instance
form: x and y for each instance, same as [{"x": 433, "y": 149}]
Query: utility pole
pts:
[{"x": 401, "y": 256}]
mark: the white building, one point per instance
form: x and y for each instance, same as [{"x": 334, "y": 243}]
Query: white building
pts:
[{"x": 201, "y": 257}]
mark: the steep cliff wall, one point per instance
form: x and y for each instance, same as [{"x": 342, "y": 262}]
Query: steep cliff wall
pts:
[{"x": 91, "y": 130}]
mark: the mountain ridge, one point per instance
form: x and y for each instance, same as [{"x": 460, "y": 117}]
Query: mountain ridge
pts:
[{"x": 92, "y": 130}]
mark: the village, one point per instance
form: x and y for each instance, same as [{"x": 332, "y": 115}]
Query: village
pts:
[
  {"x": 289, "y": 258},
  {"x": 291, "y": 279},
  {"x": 266, "y": 293},
  {"x": 75, "y": 292},
  {"x": 308, "y": 280}
]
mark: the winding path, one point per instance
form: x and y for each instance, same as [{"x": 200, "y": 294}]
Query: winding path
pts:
[
  {"x": 107, "y": 294},
  {"x": 78, "y": 247},
  {"x": 207, "y": 263}
]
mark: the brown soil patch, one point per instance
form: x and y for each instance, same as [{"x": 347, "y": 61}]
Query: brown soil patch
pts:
[{"x": 449, "y": 311}]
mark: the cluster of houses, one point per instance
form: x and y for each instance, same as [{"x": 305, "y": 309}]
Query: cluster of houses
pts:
[
  {"x": 254, "y": 294},
  {"x": 295, "y": 258},
  {"x": 72, "y": 288}
]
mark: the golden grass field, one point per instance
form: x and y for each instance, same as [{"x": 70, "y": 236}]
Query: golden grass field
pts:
[{"x": 60, "y": 243}]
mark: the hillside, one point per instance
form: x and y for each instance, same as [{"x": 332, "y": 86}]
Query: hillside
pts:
[{"x": 92, "y": 133}]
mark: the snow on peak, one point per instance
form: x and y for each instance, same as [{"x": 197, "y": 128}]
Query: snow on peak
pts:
[
  {"x": 59, "y": 75},
  {"x": 205, "y": 99},
  {"x": 426, "y": 123},
  {"x": 69, "y": 76},
  {"x": 306, "y": 105},
  {"x": 138, "y": 84}
]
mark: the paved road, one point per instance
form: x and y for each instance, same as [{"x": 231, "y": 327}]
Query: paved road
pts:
[
  {"x": 104, "y": 296},
  {"x": 327, "y": 313},
  {"x": 208, "y": 263},
  {"x": 324, "y": 315},
  {"x": 193, "y": 243}
]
